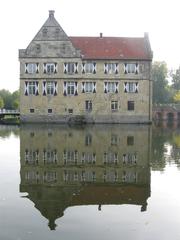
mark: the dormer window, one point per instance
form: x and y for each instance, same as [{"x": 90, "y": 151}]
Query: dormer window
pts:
[
  {"x": 50, "y": 68},
  {"x": 31, "y": 68},
  {"x": 131, "y": 68}
]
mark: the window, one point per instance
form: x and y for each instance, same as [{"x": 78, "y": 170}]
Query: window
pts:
[
  {"x": 114, "y": 139},
  {"x": 89, "y": 67},
  {"x": 70, "y": 156},
  {"x": 130, "y": 158},
  {"x": 130, "y": 105},
  {"x": 110, "y": 68},
  {"x": 49, "y": 88},
  {"x": 71, "y": 68},
  {"x": 131, "y": 87},
  {"x": 111, "y": 87},
  {"x": 88, "y": 157},
  {"x": 70, "y": 111},
  {"x": 31, "y": 68},
  {"x": 49, "y": 156},
  {"x": 88, "y": 105},
  {"x": 88, "y": 87},
  {"x": 130, "y": 140},
  {"x": 131, "y": 68},
  {"x": 31, "y": 110},
  {"x": 31, "y": 88},
  {"x": 49, "y": 110},
  {"x": 50, "y": 68},
  {"x": 70, "y": 88},
  {"x": 88, "y": 140},
  {"x": 114, "y": 105},
  {"x": 31, "y": 157},
  {"x": 31, "y": 176},
  {"x": 110, "y": 157},
  {"x": 50, "y": 176}
]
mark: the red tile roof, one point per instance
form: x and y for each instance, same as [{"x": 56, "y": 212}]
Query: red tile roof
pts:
[{"x": 112, "y": 47}]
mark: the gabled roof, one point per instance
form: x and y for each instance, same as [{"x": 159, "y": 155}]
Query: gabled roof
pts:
[
  {"x": 112, "y": 47},
  {"x": 52, "y": 41},
  {"x": 51, "y": 30}
]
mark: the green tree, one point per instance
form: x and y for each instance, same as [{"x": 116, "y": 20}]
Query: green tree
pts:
[
  {"x": 6, "y": 96},
  {"x": 176, "y": 97},
  {"x": 1, "y": 103},
  {"x": 176, "y": 79},
  {"x": 161, "y": 90},
  {"x": 15, "y": 99},
  {"x": 11, "y": 100}
]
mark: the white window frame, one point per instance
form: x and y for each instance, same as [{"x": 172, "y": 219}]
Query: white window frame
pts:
[
  {"x": 111, "y": 68},
  {"x": 88, "y": 87},
  {"x": 131, "y": 87},
  {"x": 114, "y": 106},
  {"x": 88, "y": 105},
  {"x": 111, "y": 87},
  {"x": 131, "y": 68},
  {"x": 71, "y": 68},
  {"x": 71, "y": 88},
  {"x": 50, "y": 68},
  {"x": 89, "y": 67},
  {"x": 31, "y": 88},
  {"x": 31, "y": 68},
  {"x": 50, "y": 88}
]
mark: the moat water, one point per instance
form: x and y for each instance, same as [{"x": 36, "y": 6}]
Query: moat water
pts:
[{"x": 89, "y": 182}]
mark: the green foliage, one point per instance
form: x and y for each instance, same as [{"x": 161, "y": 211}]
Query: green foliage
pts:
[
  {"x": 10, "y": 100},
  {"x": 176, "y": 97},
  {"x": 161, "y": 90},
  {"x": 176, "y": 79},
  {"x": 15, "y": 99},
  {"x": 1, "y": 102}
]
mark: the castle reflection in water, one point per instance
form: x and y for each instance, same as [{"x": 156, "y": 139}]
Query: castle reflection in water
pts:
[{"x": 65, "y": 166}]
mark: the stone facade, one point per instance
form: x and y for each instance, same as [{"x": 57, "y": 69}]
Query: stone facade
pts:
[{"x": 64, "y": 79}]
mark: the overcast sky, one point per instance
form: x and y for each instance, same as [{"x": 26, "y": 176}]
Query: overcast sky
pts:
[{"x": 20, "y": 20}]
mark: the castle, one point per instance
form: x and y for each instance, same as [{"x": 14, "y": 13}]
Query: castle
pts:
[{"x": 85, "y": 79}]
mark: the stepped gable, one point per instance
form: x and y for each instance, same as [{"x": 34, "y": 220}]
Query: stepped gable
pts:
[{"x": 50, "y": 41}]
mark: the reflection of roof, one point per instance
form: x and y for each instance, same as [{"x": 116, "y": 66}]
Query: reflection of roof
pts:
[
  {"x": 112, "y": 47},
  {"x": 52, "y": 201}
]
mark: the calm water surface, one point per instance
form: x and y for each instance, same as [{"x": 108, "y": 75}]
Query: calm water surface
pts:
[{"x": 93, "y": 182}]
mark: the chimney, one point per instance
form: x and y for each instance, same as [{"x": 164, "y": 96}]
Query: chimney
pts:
[
  {"x": 146, "y": 38},
  {"x": 101, "y": 35},
  {"x": 51, "y": 13}
]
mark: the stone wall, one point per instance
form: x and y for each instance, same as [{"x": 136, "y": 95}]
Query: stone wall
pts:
[{"x": 101, "y": 102}]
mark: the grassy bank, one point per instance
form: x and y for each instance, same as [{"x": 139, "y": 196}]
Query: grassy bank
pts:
[{"x": 10, "y": 121}]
